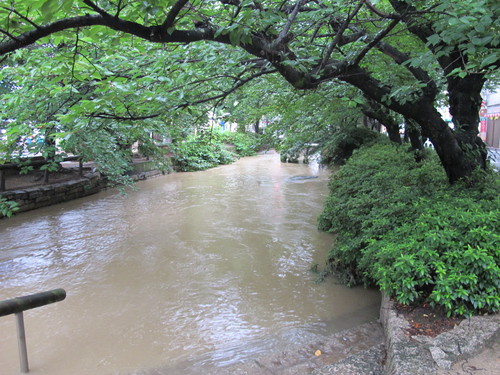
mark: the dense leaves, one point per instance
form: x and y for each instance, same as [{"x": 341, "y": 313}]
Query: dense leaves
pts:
[
  {"x": 402, "y": 54},
  {"x": 7, "y": 208},
  {"x": 196, "y": 154},
  {"x": 400, "y": 226},
  {"x": 210, "y": 149},
  {"x": 340, "y": 146}
]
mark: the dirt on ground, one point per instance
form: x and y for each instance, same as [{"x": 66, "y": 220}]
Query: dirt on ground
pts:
[{"x": 425, "y": 320}]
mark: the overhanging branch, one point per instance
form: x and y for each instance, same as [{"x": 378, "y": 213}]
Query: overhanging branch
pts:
[
  {"x": 231, "y": 90},
  {"x": 339, "y": 35},
  {"x": 111, "y": 116},
  {"x": 380, "y": 35},
  {"x": 286, "y": 29},
  {"x": 174, "y": 12}
]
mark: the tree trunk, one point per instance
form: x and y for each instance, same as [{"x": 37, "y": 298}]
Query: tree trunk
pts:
[
  {"x": 376, "y": 111},
  {"x": 454, "y": 160},
  {"x": 2, "y": 180},
  {"x": 446, "y": 143},
  {"x": 414, "y": 133},
  {"x": 465, "y": 104},
  {"x": 256, "y": 127}
]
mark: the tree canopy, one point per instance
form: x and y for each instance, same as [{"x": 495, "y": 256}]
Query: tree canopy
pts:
[{"x": 85, "y": 63}]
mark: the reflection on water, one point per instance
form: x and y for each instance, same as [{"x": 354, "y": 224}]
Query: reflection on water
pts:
[{"x": 194, "y": 269}]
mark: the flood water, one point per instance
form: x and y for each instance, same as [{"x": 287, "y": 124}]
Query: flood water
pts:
[{"x": 192, "y": 271}]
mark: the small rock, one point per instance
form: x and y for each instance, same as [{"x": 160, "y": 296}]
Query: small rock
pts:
[{"x": 440, "y": 357}]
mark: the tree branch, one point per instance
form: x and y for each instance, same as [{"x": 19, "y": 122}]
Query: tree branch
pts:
[
  {"x": 8, "y": 34},
  {"x": 110, "y": 116},
  {"x": 337, "y": 38},
  {"x": 286, "y": 29},
  {"x": 96, "y": 9},
  {"x": 153, "y": 34},
  {"x": 231, "y": 90},
  {"x": 401, "y": 58},
  {"x": 23, "y": 17},
  {"x": 174, "y": 12},
  {"x": 378, "y": 12},
  {"x": 422, "y": 31},
  {"x": 380, "y": 35}
]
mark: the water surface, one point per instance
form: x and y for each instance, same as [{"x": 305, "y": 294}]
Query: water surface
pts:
[{"x": 193, "y": 270}]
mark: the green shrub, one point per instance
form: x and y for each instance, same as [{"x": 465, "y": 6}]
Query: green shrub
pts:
[
  {"x": 401, "y": 226},
  {"x": 7, "y": 208},
  {"x": 448, "y": 256},
  {"x": 245, "y": 144},
  {"x": 196, "y": 154},
  {"x": 369, "y": 196}
]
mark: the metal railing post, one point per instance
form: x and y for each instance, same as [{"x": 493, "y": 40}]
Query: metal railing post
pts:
[
  {"x": 21, "y": 342},
  {"x": 17, "y": 305}
]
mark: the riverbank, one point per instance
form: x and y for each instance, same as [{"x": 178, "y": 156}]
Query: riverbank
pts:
[
  {"x": 470, "y": 347},
  {"x": 30, "y": 192}
]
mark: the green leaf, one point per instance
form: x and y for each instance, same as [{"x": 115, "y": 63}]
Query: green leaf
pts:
[
  {"x": 49, "y": 9},
  {"x": 490, "y": 59},
  {"x": 434, "y": 39},
  {"x": 235, "y": 37}
]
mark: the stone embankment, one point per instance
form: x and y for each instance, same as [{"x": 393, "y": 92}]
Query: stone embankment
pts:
[
  {"x": 31, "y": 198},
  {"x": 42, "y": 195},
  {"x": 472, "y": 347}
]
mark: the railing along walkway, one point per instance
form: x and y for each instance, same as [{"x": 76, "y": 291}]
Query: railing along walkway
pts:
[{"x": 17, "y": 305}]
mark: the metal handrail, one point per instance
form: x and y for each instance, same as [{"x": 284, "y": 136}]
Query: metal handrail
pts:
[{"x": 17, "y": 305}]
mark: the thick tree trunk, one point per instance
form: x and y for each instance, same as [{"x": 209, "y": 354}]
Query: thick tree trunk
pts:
[
  {"x": 414, "y": 134},
  {"x": 465, "y": 104},
  {"x": 446, "y": 142},
  {"x": 454, "y": 160}
]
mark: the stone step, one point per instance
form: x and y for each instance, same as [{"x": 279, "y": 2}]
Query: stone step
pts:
[{"x": 366, "y": 362}]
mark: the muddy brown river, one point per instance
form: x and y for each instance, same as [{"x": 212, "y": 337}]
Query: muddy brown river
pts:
[{"x": 191, "y": 271}]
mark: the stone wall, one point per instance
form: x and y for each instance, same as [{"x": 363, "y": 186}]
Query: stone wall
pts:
[
  {"x": 41, "y": 196},
  {"x": 444, "y": 354}
]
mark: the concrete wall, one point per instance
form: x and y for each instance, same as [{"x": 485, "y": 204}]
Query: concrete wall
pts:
[{"x": 41, "y": 196}]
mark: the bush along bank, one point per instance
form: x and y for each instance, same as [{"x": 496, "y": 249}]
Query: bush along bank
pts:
[
  {"x": 402, "y": 227},
  {"x": 208, "y": 150}
]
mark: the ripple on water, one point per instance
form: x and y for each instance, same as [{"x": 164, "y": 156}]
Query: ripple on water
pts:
[{"x": 194, "y": 269}]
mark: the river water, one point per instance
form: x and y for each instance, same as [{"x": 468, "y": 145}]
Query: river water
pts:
[{"x": 192, "y": 271}]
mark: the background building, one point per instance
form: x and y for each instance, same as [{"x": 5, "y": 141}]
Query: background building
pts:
[{"x": 490, "y": 118}]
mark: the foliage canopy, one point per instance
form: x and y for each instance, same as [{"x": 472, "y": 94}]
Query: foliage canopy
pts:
[{"x": 141, "y": 60}]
